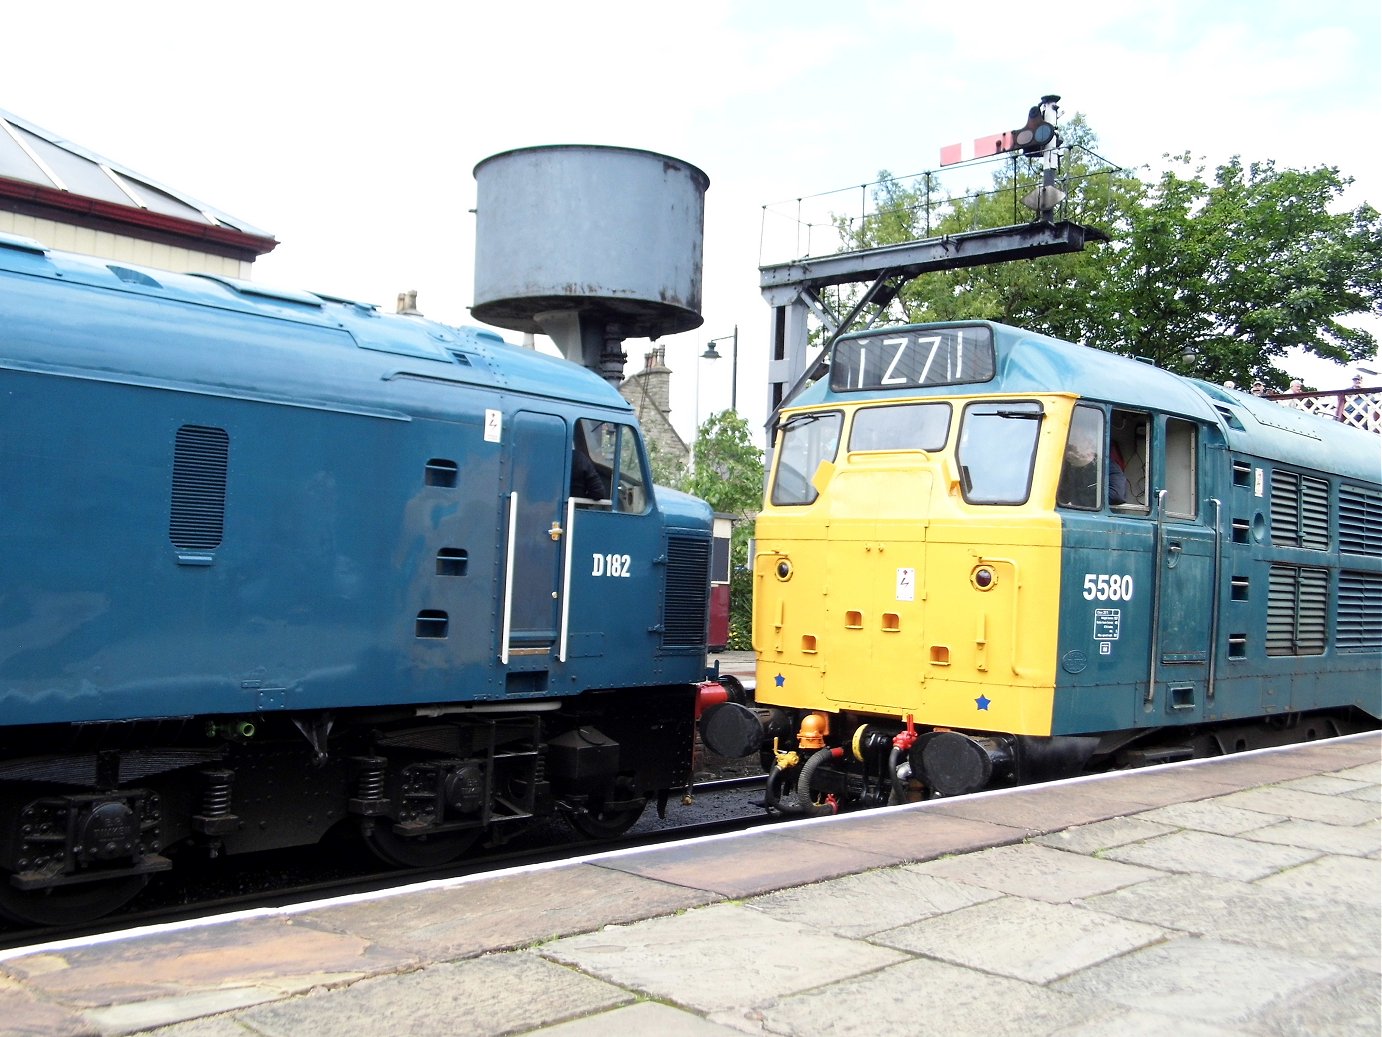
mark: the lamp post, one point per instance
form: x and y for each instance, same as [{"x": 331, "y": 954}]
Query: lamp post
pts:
[{"x": 711, "y": 354}]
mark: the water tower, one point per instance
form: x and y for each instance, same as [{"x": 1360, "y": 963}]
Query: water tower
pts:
[{"x": 589, "y": 245}]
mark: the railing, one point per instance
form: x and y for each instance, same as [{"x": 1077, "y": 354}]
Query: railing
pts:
[
  {"x": 830, "y": 222},
  {"x": 1360, "y": 407}
]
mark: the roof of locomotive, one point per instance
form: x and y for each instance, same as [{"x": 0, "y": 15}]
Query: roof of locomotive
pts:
[
  {"x": 1027, "y": 361},
  {"x": 429, "y": 350}
]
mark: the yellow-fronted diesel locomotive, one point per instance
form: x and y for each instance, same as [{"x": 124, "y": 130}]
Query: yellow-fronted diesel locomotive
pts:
[{"x": 988, "y": 556}]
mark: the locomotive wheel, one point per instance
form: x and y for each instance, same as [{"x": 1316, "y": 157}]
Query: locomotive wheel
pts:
[
  {"x": 419, "y": 851},
  {"x": 67, "y": 905},
  {"x": 606, "y": 824}
]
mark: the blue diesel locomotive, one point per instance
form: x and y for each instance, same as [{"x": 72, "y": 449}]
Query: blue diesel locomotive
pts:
[
  {"x": 276, "y": 563},
  {"x": 989, "y": 556}
]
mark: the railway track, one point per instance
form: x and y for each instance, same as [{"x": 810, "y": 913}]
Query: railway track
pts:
[{"x": 288, "y": 878}]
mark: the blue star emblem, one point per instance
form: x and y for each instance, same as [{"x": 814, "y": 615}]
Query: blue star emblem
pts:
[
  {"x": 982, "y": 702},
  {"x": 780, "y": 680}
]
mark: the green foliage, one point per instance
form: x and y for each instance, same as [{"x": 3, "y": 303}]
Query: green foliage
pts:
[
  {"x": 1215, "y": 278},
  {"x": 726, "y": 468},
  {"x": 1232, "y": 273},
  {"x": 727, "y": 472},
  {"x": 668, "y": 469}
]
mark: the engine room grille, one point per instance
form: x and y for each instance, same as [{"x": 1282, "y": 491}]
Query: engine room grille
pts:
[
  {"x": 1358, "y": 620},
  {"x": 200, "y": 457},
  {"x": 1300, "y": 511},
  {"x": 686, "y": 601},
  {"x": 1360, "y": 520},
  {"x": 1297, "y": 610}
]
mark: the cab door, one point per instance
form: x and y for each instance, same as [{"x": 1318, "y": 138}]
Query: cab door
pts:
[
  {"x": 1186, "y": 578},
  {"x": 536, "y": 490}
]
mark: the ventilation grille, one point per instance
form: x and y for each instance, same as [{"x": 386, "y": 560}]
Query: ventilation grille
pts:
[
  {"x": 1358, "y": 622},
  {"x": 1360, "y": 520},
  {"x": 686, "y": 603},
  {"x": 1297, "y": 610},
  {"x": 199, "y": 487},
  {"x": 1300, "y": 511}
]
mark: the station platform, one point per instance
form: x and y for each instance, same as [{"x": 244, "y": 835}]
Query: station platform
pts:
[{"x": 1237, "y": 895}]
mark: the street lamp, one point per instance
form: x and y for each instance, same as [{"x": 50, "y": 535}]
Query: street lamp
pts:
[{"x": 711, "y": 354}]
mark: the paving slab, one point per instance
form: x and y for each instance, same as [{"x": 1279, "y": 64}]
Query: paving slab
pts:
[
  {"x": 136, "y": 1016},
  {"x": 480, "y": 997},
  {"x": 1326, "y": 784},
  {"x": 1204, "y": 980},
  {"x": 1101, "y": 835},
  {"x": 1136, "y": 1023},
  {"x": 720, "y": 957},
  {"x": 1207, "y": 815},
  {"x": 1246, "y": 913},
  {"x": 216, "y": 1026},
  {"x": 1370, "y": 772},
  {"x": 1161, "y": 786},
  {"x": 1367, "y": 794},
  {"x": 645, "y": 1017},
  {"x": 1032, "y": 810},
  {"x": 860, "y": 905},
  {"x": 1038, "y": 872},
  {"x": 1209, "y": 854},
  {"x": 920, "y": 996},
  {"x": 24, "y": 1015},
  {"x": 1336, "y": 753},
  {"x": 1353, "y": 840},
  {"x": 251, "y": 959},
  {"x": 755, "y": 862},
  {"x": 506, "y": 912},
  {"x": 1304, "y": 806},
  {"x": 911, "y": 833},
  {"x": 1249, "y": 769},
  {"x": 1023, "y": 939},
  {"x": 1347, "y": 1007},
  {"x": 1351, "y": 880}
]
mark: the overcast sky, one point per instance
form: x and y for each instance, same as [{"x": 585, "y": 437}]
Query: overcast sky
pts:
[{"x": 349, "y": 131}]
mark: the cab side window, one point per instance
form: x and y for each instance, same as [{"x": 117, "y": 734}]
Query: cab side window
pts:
[
  {"x": 632, "y": 480},
  {"x": 1130, "y": 453},
  {"x": 1082, "y": 471},
  {"x": 607, "y": 467},
  {"x": 590, "y": 467},
  {"x": 1182, "y": 474}
]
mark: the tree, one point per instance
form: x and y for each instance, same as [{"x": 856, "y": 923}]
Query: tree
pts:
[
  {"x": 727, "y": 473},
  {"x": 1214, "y": 279},
  {"x": 1222, "y": 278}
]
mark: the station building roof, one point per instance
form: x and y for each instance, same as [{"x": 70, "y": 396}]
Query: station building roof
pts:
[{"x": 69, "y": 197}]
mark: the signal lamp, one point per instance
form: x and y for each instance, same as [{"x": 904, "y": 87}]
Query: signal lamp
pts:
[{"x": 1039, "y": 133}]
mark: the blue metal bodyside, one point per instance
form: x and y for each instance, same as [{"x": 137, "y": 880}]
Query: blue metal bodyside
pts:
[
  {"x": 333, "y": 532},
  {"x": 1201, "y": 654}
]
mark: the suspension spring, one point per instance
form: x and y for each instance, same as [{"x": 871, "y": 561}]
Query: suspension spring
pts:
[
  {"x": 216, "y": 795},
  {"x": 371, "y": 777}
]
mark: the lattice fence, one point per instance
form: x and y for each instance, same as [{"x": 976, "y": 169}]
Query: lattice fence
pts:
[{"x": 1359, "y": 407}]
